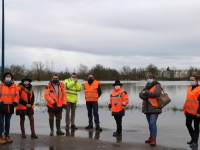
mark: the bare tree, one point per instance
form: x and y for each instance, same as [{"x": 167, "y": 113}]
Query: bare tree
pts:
[
  {"x": 38, "y": 69},
  {"x": 126, "y": 72},
  {"x": 82, "y": 71}
]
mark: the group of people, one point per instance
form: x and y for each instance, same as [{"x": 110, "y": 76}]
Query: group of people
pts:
[{"x": 64, "y": 95}]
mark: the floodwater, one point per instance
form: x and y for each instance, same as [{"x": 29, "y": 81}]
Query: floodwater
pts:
[{"x": 175, "y": 89}]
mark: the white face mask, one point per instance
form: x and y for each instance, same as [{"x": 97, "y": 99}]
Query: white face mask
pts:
[
  {"x": 193, "y": 83},
  {"x": 117, "y": 87},
  {"x": 8, "y": 79}
]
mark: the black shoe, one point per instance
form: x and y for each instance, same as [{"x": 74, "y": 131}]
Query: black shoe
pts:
[
  {"x": 98, "y": 128},
  {"x": 117, "y": 133},
  {"x": 90, "y": 126}
]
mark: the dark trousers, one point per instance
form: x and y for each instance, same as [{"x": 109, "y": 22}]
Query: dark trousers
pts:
[
  {"x": 93, "y": 106},
  {"x": 189, "y": 119},
  {"x": 7, "y": 118},
  {"x": 118, "y": 120}
]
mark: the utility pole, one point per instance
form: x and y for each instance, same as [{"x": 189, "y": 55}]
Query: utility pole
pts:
[{"x": 2, "y": 59}]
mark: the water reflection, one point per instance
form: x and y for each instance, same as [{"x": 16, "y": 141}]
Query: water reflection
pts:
[
  {"x": 175, "y": 89},
  {"x": 70, "y": 133},
  {"x": 95, "y": 136}
]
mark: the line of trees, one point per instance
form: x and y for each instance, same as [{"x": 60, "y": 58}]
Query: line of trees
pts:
[{"x": 42, "y": 71}]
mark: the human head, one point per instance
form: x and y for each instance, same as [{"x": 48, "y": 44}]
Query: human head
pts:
[
  {"x": 73, "y": 75},
  {"x": 194, "y": 79},
  {"x": 90, "y": 76},
  {"x": 55, "y": 78},
  {"x": 117, "y": 84},
  {"x": 150, "y": 78},
  {"x": 8, "y": 75},
  {"x": 26, "y": 81}
]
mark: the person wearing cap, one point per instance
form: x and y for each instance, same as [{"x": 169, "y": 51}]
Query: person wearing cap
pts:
[
  {"x": 72, "y": 86},
  {"x": 118, "y": 101},
  {"x": 9, "y": 98},
  {"x": 55, "y": 96},
  {"x": 92, "y": 92},
  {"x": 149, "y": 95},
  {"x": 26, "y": 105}
]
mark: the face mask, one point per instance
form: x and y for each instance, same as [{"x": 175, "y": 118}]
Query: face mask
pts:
[
  {"x": 149, "y": 80},
  {"x": 8, "y": 79},
  {"x": 117, "y": 87},
  {"x": 90, "y": 80},
  {"x": 26, "y": 82},
  {"x": 193, "y": 83},
  {"x": 55, "y": 81},
  {"x": 72, "y": 78}
]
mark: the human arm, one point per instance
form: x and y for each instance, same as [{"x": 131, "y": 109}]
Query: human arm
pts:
[
  {"x": 99, "y": 91},
  {"x": 156, "y": 93},
  {"x": 47, "y": 96}
]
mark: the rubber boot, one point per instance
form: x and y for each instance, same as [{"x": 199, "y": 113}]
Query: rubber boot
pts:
[
  {"x": 192, "y": 136},
  {"x": 33, "y": 135},
  {"x": 153, "y": 141},
  {"x": 149, "y": 140},
  {"x": 51, "y": 124},
  {"x": 58, "y": 132},
  {"x": 195, "y": 141}
]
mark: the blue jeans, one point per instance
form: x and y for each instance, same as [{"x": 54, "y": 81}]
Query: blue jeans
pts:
[
  {"x": 152, "y": 119},
  {"x": 93, "y": 106},
  {"x": 7, "y": 118}
]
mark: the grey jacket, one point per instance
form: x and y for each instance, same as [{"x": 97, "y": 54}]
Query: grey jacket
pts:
[{"x": 147, "y": 107}]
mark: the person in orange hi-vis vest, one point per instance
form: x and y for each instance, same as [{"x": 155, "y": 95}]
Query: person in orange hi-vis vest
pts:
[
  {"x": 26, "y": 105},
  {"x": 9, "y": 98},
  {"x": 55, "y": 97},
  {"x": 150, "y": 107},
  {"x": 192, "y": 110},
  {"x": 118, "y": 101},
  {"x": 92, "y": 92}
]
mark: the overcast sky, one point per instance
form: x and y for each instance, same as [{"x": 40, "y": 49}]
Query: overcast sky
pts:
[{"x": 114, "y": 33}]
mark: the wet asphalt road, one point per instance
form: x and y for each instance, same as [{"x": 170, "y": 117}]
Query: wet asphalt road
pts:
[{"x": 172, "y": 133}]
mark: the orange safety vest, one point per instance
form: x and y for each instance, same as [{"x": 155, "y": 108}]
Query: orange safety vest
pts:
[
  {"x": 51, "y": 96},
  {"x": 117, "y": 98},
  {"x": 24, "y": 96},
  {"x": 153, "y": 100},
  {"x": 192, "y": 104},
  {"x": 9, "y": 94},
  {"x": 91, "y": 93}
]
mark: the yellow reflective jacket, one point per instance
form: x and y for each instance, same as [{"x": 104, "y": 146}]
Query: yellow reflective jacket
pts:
[{"x": 72, "y": 88}]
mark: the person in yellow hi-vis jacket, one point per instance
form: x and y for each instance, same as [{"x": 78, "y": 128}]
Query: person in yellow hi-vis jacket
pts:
[{"x": 72, "y": 87}]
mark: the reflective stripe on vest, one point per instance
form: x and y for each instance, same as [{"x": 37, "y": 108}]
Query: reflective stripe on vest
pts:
[
  {"x": 116, "y": 102},
  {"x": 191, "y": 104},
  {"x": 91, "y": 93}
]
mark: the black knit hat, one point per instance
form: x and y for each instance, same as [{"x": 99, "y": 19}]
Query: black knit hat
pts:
[
  {"x": 26, "y": 78},
  {"x": 117, "y": 82},
  {"x": 7, "y": 73}
]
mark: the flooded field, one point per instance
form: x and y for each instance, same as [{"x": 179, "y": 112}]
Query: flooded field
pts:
[{"x": 175, "y": 89}]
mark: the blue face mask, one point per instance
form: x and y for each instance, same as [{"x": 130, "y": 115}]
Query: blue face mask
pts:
[
  {"x": 72, "y": 78},
  {"x": 193, "y": 83},
  {"x": 149, "y": 80}
]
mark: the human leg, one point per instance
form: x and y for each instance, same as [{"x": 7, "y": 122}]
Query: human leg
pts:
[
  {"x": 51, "y": 123},
  {"x": 22, "y": 120},
  {"x": 31, "y": 119},
  {"x": 90, "y": 117},
  {"x": 67, "y": 119},
  {"x": 58, "y": 122},
  {"x": 73, "y": 110},
  {"x": 7, "y": 128}
]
